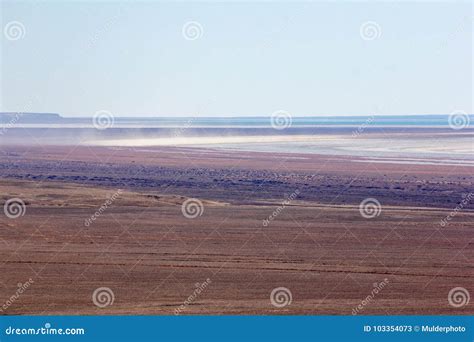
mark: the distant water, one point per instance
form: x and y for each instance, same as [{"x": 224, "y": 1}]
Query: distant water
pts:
[
  {"x": 405, "y": 120},
  {"x": 239, "y": 122}
]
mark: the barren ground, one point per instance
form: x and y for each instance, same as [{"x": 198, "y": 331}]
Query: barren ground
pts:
[{"x": 151, "y": 256}]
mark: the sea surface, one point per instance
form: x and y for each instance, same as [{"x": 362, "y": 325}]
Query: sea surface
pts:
[{"x": 282, "y": 120}]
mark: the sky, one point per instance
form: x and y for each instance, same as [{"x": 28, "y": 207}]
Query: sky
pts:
[{"x": 236, "y": 59}]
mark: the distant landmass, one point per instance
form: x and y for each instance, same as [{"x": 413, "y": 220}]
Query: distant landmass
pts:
[{"x": 12, "y": 117}]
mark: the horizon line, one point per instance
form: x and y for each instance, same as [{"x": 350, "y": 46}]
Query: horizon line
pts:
[{"x": 231, "y": 117}]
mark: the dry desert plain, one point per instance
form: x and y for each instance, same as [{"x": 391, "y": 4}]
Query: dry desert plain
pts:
[{"x": 152, "y": 257}]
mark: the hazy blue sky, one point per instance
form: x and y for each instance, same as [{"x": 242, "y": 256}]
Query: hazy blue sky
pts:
[{"x": 251, "y": 59}]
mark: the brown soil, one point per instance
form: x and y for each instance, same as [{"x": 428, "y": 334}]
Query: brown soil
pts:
[{"x": 151, "y": 256}]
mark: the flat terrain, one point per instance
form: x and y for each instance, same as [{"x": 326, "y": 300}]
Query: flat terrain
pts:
[{"x": 317, "y": 245}]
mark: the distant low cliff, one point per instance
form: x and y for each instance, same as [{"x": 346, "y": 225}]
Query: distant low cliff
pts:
[{"x": 29, "y": 117}]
